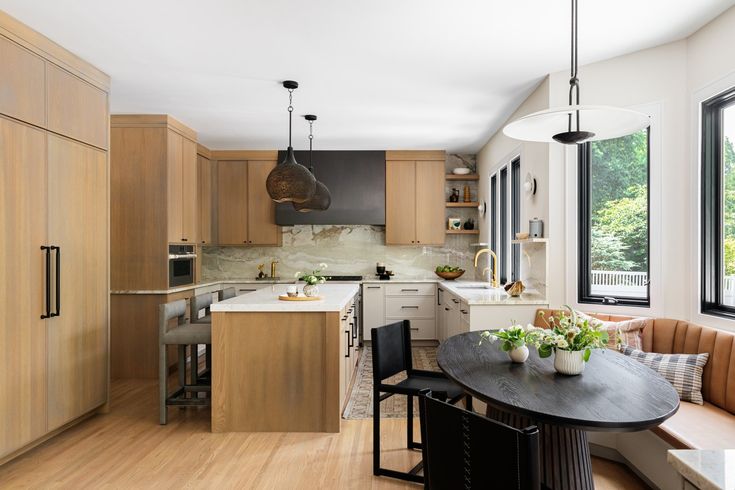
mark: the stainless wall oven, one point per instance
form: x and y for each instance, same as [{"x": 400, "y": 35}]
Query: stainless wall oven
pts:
[{"x": 181, "y": 260}]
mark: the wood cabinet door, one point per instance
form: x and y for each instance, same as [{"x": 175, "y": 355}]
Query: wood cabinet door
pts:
[
  {"x": 400, "y": 202},
  {"x": 22, "y": 90},
  {"x": 232, "y": 202},
  {"x": 204, "y": 183},
  {"x": 77, "y": 338},
  {"x": 430, "y": 203},
  {"x": 22, "y": 285},
  {"x": 190, "y": 192},
  {"x": 175, "y": 187},
  {"x": 262, "y": 228},
  {"x": 75, "y": 108}
]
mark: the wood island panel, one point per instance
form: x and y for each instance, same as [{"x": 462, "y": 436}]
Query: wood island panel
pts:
[{"x": 275, "y": 372}]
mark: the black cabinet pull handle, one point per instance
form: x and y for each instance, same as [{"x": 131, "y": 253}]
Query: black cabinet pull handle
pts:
[
  {"x": 350, "y": 336},
  {"x": 373, "y": 287},
  {"x": 347, "y": 332},
  {"x": 405, "y": 290},
  {"x": 58, "y": 280},
  {"x": 414, "y": 328},
  {"x": 184, "y": 240},
  {"x": 48, "y": 282},
  {"x": 410, "y": 307},
  {"x": 446, "y": 309}
]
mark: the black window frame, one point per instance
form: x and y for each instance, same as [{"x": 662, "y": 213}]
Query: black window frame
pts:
[
  {"x": 584, "y": 272},
  {"x": 502, "y": 251},
  {"x": 711, "y": 195},
  {"x": 515, "y": 217},
  {"x": 493, "y": 210}
]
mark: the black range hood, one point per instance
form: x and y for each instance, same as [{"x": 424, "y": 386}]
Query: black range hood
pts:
[{"x": 356, "y": 182}]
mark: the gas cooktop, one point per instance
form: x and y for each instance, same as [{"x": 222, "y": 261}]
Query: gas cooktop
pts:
[{"x": 343, "y": 278}]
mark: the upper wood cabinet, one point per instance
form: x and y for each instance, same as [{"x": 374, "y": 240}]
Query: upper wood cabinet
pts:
[
  {"x": 414, "y": 198},
  {"x": 205, "y": 184},
  {"x": 22, "y": 89},
  {"x": 245, "y": 213},
  {"x": 75, "y": 108},
  {"x": 182, "y": 192}
]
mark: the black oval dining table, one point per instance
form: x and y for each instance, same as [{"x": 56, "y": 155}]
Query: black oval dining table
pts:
[{"x": 613, "y": 393}]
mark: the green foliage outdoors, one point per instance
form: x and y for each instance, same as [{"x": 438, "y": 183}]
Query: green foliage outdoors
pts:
[{"x": 729, "y": 211}]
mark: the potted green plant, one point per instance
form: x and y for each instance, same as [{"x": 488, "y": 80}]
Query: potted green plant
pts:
[
  {"x": 512, "y": 340},
  {"x": 312, "y": 280},
  {"x": 571, "y": 338}
]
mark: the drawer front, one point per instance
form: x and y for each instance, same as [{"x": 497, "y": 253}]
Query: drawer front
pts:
[
  {"x": 244, "y": 288},
  {"x": 410, "y": 289},
  {"x": 423, "y": 329},
  {"x": 410, "y": 307}
]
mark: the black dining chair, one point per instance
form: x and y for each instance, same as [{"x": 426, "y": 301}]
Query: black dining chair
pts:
[
  {"x": 463, "y": 449},
  {"x": 391, "y": 349}
]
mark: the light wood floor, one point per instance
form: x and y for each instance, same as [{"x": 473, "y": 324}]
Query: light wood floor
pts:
[{"x": 128, "y": 449}]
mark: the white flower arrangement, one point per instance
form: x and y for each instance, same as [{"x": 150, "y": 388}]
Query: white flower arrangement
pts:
[{"x": 314, "y": 277}]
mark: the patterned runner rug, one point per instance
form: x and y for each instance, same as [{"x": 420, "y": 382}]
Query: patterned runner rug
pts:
[{"x": 360, "y": 404}]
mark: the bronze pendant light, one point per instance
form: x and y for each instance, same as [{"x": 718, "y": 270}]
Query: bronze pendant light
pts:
[
  {"x": 321, "y": 199},
  {"x": 290, "y": 181}
]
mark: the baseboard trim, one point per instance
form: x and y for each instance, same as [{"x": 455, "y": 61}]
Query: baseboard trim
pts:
[
  {"x": 19, "y": 452},
  {"x": 611, "y": 454}
]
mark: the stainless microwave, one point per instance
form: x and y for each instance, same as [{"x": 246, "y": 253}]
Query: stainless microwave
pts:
[{"x": 181, "y": 260}]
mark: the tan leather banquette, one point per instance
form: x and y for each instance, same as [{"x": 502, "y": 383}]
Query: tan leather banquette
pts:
[{"x": 708, "y": 426}]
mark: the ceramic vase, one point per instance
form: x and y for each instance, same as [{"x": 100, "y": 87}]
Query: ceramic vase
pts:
[
  {"x": 519, "y": 354},
  {"x": 569, "y": 362},
  {"x": 311, "y": 290}
]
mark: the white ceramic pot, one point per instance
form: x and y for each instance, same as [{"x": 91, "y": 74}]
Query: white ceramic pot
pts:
[
  {"x": 569, "y": 362},
  {"x": 311, "y": 290},
  {"x": 519, "y": 354}
]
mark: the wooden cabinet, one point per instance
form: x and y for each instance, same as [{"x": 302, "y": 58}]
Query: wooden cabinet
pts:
[
  {"x": 182, "y": 192},
  {"x": 373, "y": 311},
  {"x": 414, "y": 198},
  {"x": 245, "y": 212},
  {"x": 77, "y": 338},
  {"x": 204, "y": 183},
  {"x": 232, "y": 202},
  {"x": 22, "y": 90},
  {"x": 75, "y": 108},
  {"x": 22, "y": 285}
]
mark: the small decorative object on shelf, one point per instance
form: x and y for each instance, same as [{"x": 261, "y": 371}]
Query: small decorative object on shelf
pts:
[
  {"x": 469, "y": 224},
  {"x": 570, "y": 338},
  {"x": 512, "y": 341},
  {"x": 261, "y": 274},
  {"x": 455, "y": 196},
  {"x": 522, "y": 235},
  {"x": 454, "y": 224},
  {"x": 467, "y": 195},
  {"x": 312, "y": 280},
  {"x": 515, "y": 289},
  {"x": 292, "y": 291},
  {"x": 536, "y": 228}
]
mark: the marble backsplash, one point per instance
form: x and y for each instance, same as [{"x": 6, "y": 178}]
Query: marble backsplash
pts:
[{"x": 347, "y": 249}]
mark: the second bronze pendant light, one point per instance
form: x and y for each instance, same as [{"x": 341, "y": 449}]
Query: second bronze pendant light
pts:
[{"x": 292, "y": 182}]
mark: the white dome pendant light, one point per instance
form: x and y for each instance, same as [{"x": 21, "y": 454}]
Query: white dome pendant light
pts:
[{"x": 576, "y": 124}]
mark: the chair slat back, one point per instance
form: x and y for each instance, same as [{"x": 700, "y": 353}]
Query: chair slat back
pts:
[
  {"x": 391, "y": 349},
  {"x": 464, "y": 450}
]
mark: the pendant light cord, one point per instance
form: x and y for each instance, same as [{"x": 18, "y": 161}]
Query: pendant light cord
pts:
[
  {"x": 573, "y": 80},
  {"x": 290, "y": 112},
  {"x": 311, "y": 138}
]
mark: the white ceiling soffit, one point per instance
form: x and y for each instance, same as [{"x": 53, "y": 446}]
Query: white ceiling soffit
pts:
[{"x": 379, "y": 73}]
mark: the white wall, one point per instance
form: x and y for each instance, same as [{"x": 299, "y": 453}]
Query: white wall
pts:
[{"x": 667, "y": 82}]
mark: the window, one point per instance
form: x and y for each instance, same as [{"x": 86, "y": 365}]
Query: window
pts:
[
  {"x": 515, "y": 217},
  {"x": 493, "y": 211},
  {"x": 718, "y": 205},
  {"x": 502, "y": 251},
  {"x": 614, "y": 221}
]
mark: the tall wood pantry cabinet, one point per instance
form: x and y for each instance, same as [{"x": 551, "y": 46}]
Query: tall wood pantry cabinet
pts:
[
  {"x": 414, "y": 198},
  {"x": 54, "y": 270}
]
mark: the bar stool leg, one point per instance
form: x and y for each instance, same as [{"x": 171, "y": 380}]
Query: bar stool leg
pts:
[
  {"x": 162, "y": 387},
  {"x": 194, "y": 356},
  {"x": 182, "y": 366}
]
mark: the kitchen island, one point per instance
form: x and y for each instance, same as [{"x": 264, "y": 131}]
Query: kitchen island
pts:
[{"x": 282, "y": 366}]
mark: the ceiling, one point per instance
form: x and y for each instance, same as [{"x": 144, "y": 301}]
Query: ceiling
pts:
[{"x": 398, "y": 74}]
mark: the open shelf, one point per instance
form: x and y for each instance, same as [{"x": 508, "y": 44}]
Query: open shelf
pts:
[
  {"x": 530, "y": 240},
  {"x": 463, "y": 232},
  {"x": 462, "y": 204},
  {"x": 462, "y": 177}
]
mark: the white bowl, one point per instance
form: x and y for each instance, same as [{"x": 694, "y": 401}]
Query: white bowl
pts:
[{"x": 461, "y": 171}]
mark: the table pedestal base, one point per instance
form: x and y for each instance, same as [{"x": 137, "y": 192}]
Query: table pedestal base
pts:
[{"x": 565, "y": 453}]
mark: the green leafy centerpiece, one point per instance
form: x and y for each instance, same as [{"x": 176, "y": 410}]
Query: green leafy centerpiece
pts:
[
  {"x": 312, "y": 280},
  {"x": 571, "y": 338},
  {"x": 512, "y": 340}
]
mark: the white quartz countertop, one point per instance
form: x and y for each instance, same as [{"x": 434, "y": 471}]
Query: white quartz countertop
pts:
[
  {"x": 707, "y": 469},
  {"x": 476, "y": 293},
  {"x": 189, "y": 287},
  {"x": 336, "y": 297}
]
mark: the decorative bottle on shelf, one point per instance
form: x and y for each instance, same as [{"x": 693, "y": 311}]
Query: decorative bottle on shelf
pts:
[
  {"x": 455, "y": 196},
  {"x": 467, "y": 196}
]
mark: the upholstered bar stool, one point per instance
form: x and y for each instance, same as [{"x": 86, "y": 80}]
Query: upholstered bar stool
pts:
[
  {"x": 181, "y": 335},
  {"x": 227, "y": 293},
  {"x": 201, "y": 304}
]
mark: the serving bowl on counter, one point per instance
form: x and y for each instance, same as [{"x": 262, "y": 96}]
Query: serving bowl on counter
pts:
[{"x": 448, "y": 276}]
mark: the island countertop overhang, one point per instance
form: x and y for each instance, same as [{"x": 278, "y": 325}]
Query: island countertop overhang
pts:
[{"x": 336, "y": 297}]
